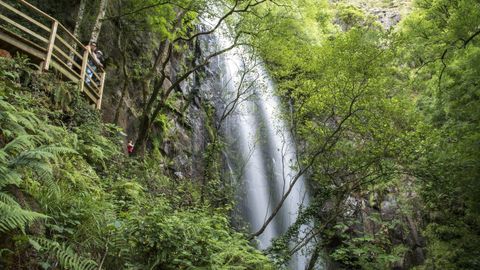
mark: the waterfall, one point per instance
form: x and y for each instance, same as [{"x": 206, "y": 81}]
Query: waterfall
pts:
[{"x": 260, "y": 151}]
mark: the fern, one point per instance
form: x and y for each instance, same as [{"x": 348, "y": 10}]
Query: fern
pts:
[
  {"x": 13, "y": 122},
  {"x": 28, "y": 151},
  {"x": 20, "y": 144},
  {"x": 13, "y": 217},
  {"x": 65, "y": 255},
  {"x": 8, "y": 200},
  {"x": 8, "y": 177}
]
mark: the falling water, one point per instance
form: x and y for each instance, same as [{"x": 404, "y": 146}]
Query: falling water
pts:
[{"x": 260, "y": 150}]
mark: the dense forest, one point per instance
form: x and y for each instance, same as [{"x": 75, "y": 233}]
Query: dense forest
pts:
[{"x": 381, "y": 97}]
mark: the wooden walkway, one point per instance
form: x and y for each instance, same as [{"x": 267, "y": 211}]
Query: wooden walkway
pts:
[{"x": 26, "y": 29}]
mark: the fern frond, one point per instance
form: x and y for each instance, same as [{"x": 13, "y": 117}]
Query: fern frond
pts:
[
  {"x": 8, "y": 177},
  {"x": 9, "y": 124},
  {"x": 43, "y": 154},
  {"x": 58, "y": 150},
  {"x": 50, "y": 184},
  {"x": 20, "y": 144},
  {"x": 3, "y": 156},
  {"x": 65, "y": 255},
  {"x": 50, "y": 133},
  {"x": 8, "y": 200},
  {"x": 27, "y": 120},
  {"x": 14, "y": 217},
  {"x": 37, "y": 154},
  {"x": 34, "y": 162}
]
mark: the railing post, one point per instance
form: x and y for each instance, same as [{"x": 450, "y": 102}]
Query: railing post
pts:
[
  {"x": 51, "y": 43},
  {"x": 83, "y": 72},
  {"x": 102, "y": 83}
]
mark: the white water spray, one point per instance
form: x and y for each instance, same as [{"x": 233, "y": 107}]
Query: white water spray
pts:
[{"x": 260, "y": 146}]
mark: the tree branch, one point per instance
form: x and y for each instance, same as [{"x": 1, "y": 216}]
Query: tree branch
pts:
[{"x": 324, "y": 147}]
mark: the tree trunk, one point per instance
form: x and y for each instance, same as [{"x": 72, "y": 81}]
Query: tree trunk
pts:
[
  {"x": 126, "y": 77},
  {"x": 99, "y": 21},
  {"x": 314, "y": 258},
  {"x": 140, "y": 143},
  {"x": 122, "y": 99},
  {"x": 78, "y": 23}
]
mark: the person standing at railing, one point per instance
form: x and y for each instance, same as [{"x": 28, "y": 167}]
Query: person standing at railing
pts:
[{"x": 93, "y": 61}]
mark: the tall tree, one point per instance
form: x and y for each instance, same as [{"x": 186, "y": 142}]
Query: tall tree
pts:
[
  {"x": 78, "y": 21},
  {"x": 97, "y": 27}
]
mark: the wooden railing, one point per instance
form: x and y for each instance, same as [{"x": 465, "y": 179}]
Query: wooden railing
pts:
[{"x": 25, "y": 28}]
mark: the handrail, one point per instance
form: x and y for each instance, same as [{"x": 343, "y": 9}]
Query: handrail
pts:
[
  {"x": 53, "y": 19},
  {"x": 32, "y": 7},
  {"x": 25, "y": 16},
  {"x": 23, "y": 28},
  {"x": 56, "y": 51}
]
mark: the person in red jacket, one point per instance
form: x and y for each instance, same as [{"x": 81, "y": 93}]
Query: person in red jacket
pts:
[{"x": 130, "y": 147}]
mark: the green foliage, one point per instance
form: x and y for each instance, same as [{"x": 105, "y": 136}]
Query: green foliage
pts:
[
  {"x": 443, "y": 47},
  {"x": 66, "y": 256},
  {"x": 353, "y": 119},
  {"x": 92, "y": 205},
  {"x": 350, "y": 16},
  {"x": 187, "y": 240},
  {"x": 13, "y": 216},
  {"x": 26, "y": 148},
  {"x": 367, "y": 250},
  {"x": 375, "y": 114}
]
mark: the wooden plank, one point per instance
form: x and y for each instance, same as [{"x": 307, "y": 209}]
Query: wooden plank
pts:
[
  {"x": 84, "y": 70},
  {"x": 93, "y": 91},
  {"x": 102, "y": 83},
  {"x": 69, "y": 47},
  {"x": 61, "y": 26},
  {"x": 23, "y": 44},
  {"x": 67, "y": 57},
  {"x": 25, "y": 16},
  {"x": 48, "y": 56},
  {"x": 64, "y": 29},
  {"x": 65, "y": 65},
  {"x": 51, "y": 43},
  {"x": 24, "y": 29},
  {"x": 96, "y": 87},
  {"x": 88, "y": 92},
  {"x": 65, "y": 71}
]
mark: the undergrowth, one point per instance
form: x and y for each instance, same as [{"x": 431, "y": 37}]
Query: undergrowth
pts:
[{"x": 71, "y": 199}]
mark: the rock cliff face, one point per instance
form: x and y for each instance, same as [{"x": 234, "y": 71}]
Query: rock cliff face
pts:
[
  {"x": 397, "y": 214},
  {"x": 387, "y": 12},
  {"x": 180, "y": 137}
]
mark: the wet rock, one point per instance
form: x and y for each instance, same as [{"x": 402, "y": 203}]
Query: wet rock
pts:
[{"x": 388, "y": 209}]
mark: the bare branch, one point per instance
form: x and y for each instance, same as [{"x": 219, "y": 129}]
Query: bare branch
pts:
[
  {"x": 465, "y": 43},
  {"x": 161, "y": 3},
  {"x": 328, "y": 144},
  {"x": 231, "y": 11}
]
